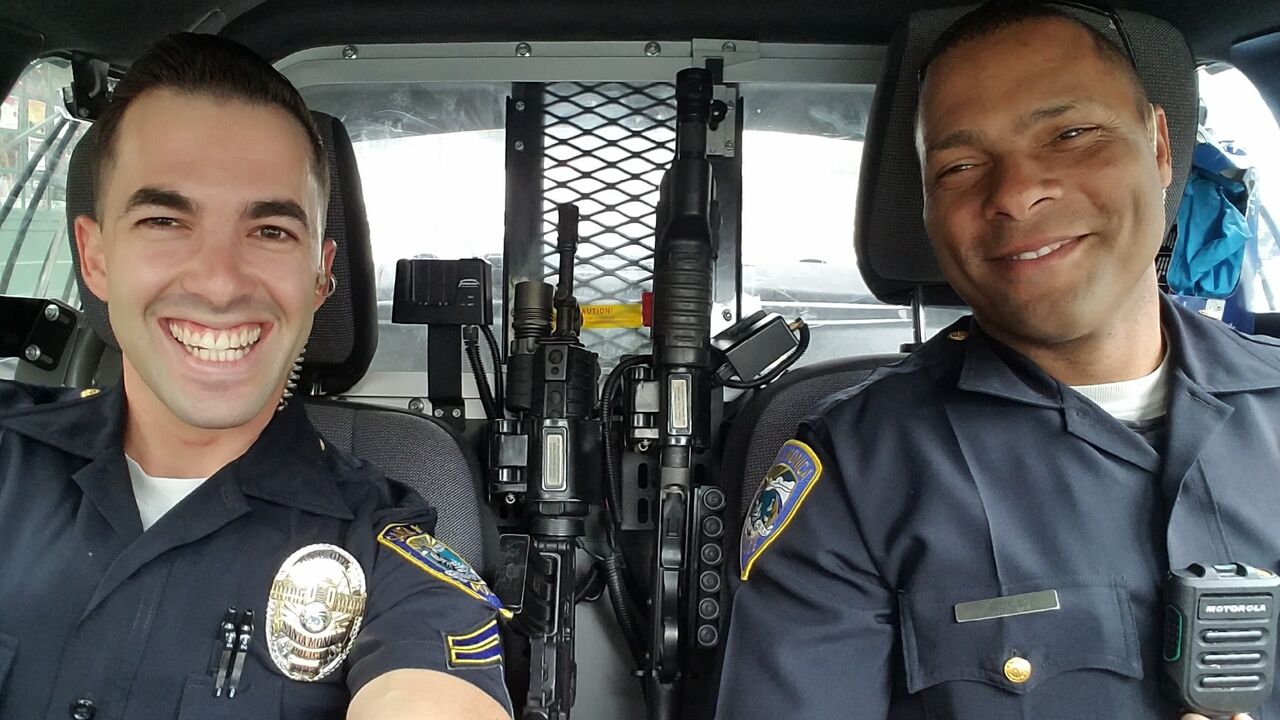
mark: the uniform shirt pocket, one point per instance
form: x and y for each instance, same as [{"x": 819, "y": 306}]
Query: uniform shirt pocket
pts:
[
  {"x": 258, "y": 695},
  {"x": 1019, "y": 662}
]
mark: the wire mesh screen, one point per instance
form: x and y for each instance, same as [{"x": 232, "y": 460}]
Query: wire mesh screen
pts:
[{"x": 606, "y": 147}]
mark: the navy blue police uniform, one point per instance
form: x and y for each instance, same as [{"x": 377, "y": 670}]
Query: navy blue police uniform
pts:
[
  {"x": 100, "y": 620},
  {"x": 965, "y": 473}
]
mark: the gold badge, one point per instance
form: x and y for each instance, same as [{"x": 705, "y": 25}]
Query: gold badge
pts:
[{"x": 315, "y": 610}]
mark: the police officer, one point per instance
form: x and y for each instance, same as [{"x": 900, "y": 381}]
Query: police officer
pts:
[
  {"x": 981, "y": 531},
  {"x": 182, "y": 546}
]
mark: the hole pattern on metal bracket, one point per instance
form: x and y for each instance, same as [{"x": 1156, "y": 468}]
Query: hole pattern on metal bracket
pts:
[{"x": 606, "y": 147}]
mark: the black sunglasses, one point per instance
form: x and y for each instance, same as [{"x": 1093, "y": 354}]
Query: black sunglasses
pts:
[{"x": 1098, "y": 9}]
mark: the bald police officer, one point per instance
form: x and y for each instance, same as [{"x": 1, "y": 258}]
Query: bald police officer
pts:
[
  {"x": 182, "y": 545},
  {"x": 981, "y": 531}
]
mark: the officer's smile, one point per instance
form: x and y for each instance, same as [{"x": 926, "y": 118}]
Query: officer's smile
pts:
[
  {"x": 1038, "y": 249},
  {"x": 226, "y": 346},
  {"x": 1039, "y": 255}
]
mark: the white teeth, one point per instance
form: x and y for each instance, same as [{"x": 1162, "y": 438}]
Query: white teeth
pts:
[
  {"x": 1036, "y": 254},
  {"x": 216, "y": 345}
]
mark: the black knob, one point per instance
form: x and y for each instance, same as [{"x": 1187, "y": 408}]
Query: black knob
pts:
[
  {"x": 708, "y": 636},
  {"x": 708, "y": 609},
  {"x": 713, "y": 499},
  {"x": 709, "y": 581},
  {"x": 712, "y": 554},
  {"x": 712, "y": 527},
  {"x": 83, "y": 709}
]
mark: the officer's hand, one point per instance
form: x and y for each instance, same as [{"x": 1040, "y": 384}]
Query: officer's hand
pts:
[{"x": 1193, "y": 716}]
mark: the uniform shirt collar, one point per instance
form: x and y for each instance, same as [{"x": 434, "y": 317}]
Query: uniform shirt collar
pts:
[
  {"x": 992, "y": 368},
  {"x": 1211, "y": 355},
  {"x": 289, "y": 463}
]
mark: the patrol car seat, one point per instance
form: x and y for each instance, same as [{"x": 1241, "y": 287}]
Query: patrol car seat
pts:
[
  {"x": 894, "y": 255},
  {"x": 412, "y": 448}
]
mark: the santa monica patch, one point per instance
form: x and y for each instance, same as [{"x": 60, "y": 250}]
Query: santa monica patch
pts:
[
  {"x": 793, "y": 474},
  {"x": 438, "y": 559}
]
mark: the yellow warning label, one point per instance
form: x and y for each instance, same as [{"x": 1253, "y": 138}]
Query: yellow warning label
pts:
[{"x": 608, "y": 317}]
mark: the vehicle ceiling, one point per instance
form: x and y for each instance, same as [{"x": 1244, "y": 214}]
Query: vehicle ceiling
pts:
[{"x": 117, "y": 30}]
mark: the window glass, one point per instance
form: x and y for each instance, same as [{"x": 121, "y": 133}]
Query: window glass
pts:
[
  {"x": 1239, "y": 121},
  {"x": 36, "y": 140},
  {"x": 431, "y": 159},
  {"x": 802, "y": 148}
]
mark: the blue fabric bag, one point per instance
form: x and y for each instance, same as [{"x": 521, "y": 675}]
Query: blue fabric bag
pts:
[{"x": 1212, "y": 231}]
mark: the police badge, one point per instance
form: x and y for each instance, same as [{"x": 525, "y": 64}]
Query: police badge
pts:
[
  {"x": 315, "y": 610},
  {"x": 784, "y": 488}
]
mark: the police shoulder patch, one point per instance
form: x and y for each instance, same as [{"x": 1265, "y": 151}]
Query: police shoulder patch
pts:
[
  {"x": 438, "y": 560},
  {"x": 792, "y": 476},
  {"x": 478, "y": 647}
]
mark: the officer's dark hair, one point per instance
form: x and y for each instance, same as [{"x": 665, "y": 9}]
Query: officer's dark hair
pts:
[
  {"x": 991, "y": 17},
  {"x": 209, "y": 65}
]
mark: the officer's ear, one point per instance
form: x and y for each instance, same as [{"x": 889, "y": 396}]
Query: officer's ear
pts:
[
  {"x": 93, "y": 260},
  {"x": 326, "y": 282}
]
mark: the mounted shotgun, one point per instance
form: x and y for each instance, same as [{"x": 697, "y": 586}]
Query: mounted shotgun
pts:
[{"x": 682, "y": 284}]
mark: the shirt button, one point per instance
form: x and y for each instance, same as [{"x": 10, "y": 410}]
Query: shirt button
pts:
[
  {"x": 958, "y": 335},
  {"x": 1017, "y": 670},
  {"x": 83, "y": 709}
]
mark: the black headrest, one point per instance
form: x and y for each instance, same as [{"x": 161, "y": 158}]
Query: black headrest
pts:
[
  {"x": 893, "y": 251},
  {"x": 345, "y": 332}
]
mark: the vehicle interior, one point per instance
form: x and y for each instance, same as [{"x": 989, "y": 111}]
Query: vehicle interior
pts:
[{"x": 595, "y": 262}]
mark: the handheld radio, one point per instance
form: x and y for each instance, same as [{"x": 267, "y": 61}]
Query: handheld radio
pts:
[{"x": 1220, "y": 638}]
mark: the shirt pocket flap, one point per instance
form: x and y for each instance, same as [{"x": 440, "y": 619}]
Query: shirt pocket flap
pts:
[{"x": 1093, "y": 628}]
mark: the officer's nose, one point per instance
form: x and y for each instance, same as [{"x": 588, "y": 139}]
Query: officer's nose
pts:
[
  {"x": 1017, "y": 186},
  {"x": 218, "y": 271}
]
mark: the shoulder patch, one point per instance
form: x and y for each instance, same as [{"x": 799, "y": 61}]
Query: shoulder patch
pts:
[
  {"x": 790, "y": 479},
  {"x": 475, "y": 648},
  {"x": 438, "y": 560}
]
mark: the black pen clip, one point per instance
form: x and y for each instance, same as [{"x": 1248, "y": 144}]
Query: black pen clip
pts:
[
  {"x": 227, "y": 645},
  {"x": 244, "y": 638}
]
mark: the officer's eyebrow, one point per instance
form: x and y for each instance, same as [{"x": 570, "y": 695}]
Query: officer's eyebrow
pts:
[
  {"x": 280, "y": 208},
  {"x": 954, "y": 140},
  {"x": 1048, "y": 112},
  {"x": 1028, "y": 120},
  {"x": 160, "y": 197}
]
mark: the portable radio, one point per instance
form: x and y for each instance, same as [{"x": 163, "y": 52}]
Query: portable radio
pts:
[{"x": 1220, "y": 638}]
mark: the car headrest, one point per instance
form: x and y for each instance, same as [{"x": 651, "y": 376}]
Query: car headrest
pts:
[
  {"x": 893, "y": 252},
  {"x": 344, "y": 335}
]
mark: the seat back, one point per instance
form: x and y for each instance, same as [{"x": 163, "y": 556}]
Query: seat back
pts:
[
  {"x": 409, "y": 447},
  {"x": 770, "y": 419}
]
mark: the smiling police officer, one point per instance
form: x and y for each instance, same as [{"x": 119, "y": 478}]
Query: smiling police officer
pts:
[
  {"x": 183, "y": 545},
  {"x": 982, "y": 530}
]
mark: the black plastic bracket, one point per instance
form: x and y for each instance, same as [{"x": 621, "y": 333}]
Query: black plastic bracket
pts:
[{"x": 35, "y": 330}]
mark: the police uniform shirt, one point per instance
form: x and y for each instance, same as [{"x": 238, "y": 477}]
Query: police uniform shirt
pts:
[
  {"x": 101, "y": 620},
  {"x": 964, "y": 473}
]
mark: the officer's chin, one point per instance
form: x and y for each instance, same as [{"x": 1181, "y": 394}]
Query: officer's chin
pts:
[{"x": 221, "y": 409}]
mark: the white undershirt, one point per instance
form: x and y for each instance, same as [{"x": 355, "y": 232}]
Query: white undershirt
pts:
[
  {"x": 157, "y": 495},
  {"x": 1146, "y": 398}
]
